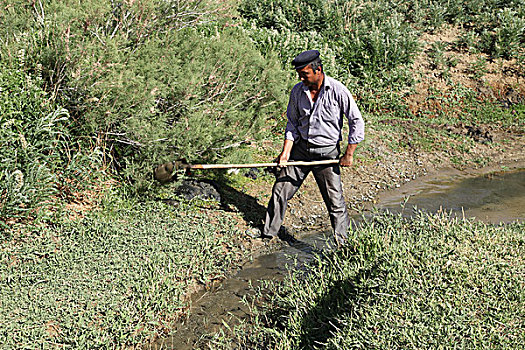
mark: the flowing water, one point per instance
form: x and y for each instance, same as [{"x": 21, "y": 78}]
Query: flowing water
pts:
[{"x": 494, "y": 198}]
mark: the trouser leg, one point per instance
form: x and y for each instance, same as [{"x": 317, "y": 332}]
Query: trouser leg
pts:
[
  {"x": 286, "y": 185},
  {"x": 329, "y": 181}
]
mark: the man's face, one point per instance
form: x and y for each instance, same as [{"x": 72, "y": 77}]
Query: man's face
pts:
[{"x": 309, "y": 77}]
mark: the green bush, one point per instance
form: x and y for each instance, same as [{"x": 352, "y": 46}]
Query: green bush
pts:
[
  {"x": 495, "y": 27},
  {"x": 506, "y": 35},
  {"x": 149, "y": 81},
  {"x": 41, "y": 163},
  {"x": 198, "y": 97},
  {"x": 370, "y": 45},
  {"x": 363, "y": 38},
  {"x": 33, "y": 135},
  {"x": 362, "y": 45}
]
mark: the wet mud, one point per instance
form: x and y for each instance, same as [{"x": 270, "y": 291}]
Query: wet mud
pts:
[{"x": 214, "y": 309}]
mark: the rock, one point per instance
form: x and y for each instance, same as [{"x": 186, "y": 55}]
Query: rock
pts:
[
  {"x": 486, "y": 92},
  {"x": 478, "y": 134},
  {"x": 205, "y": 190},
  {"x": 254, "y": 232},
  {"x": 253, "y": 173},
  {"x": 512, "y": 97}
]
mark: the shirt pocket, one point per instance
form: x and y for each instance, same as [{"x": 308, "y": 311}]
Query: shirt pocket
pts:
[
  {"x": 304, "y": 116},
  {"x": 330, "y": 113}
]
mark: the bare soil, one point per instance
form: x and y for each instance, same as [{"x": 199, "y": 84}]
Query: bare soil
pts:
[{"x": 443, "y": 64}]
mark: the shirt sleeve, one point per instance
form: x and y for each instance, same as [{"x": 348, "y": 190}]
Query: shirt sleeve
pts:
[
  {"x": 292, "y": 115},
  {"x": 356, "y": 123}
]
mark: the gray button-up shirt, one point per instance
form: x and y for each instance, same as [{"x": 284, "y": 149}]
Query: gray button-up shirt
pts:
[{"x": 321, "y": 122}]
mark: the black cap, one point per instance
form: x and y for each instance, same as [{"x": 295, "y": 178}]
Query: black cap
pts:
[{"x": 305, "y": 58}]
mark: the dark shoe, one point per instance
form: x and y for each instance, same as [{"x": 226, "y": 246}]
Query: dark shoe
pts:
[
  {"x": 263, "y": 236},
  {"x": 285, "y": 236},
  {"x": 256, "y": 232}
]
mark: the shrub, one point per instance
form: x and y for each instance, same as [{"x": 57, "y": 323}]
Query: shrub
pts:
[
  {"x": 506, "y": 35},
  {"x": 33, "y": 135},
  {"x": 187, "y": 95},
  {"x": 148, "y": 80},
  {"x": 361, "y": 44}
]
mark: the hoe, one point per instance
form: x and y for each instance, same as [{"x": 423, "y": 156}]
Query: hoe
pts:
[{"x": 166, "y": 172}]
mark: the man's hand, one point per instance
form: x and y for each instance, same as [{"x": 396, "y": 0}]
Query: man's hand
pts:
[
  {"x": 285, "y": 154},
  {"x": 347, "y": 159},
  {"x": 283, "y": 159}
]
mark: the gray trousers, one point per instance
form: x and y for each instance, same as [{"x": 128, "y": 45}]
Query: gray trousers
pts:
[{"x": 328, "y": 178}]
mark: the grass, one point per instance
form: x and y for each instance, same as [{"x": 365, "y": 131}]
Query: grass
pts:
[
  {"x": 115, "y": 278},
  {"x": 427, "y": 283}
]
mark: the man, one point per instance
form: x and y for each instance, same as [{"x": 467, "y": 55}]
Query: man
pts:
[{"x": 316, "y": 110}]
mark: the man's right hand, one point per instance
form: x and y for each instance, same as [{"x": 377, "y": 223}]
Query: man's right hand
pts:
[
  {"x": 285, "y": 154},
  {"x": 283, "y": 159}
]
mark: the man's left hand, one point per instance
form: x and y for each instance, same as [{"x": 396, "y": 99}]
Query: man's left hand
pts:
[{"x": 346, "y": 160}]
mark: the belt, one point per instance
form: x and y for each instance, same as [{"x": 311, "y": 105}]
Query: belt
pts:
[{"x": 309, "y": 145}]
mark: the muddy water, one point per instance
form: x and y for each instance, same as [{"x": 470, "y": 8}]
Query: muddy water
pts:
[
  {"x": 495, "y": 198},
  {"x": 212, "y": 309}
]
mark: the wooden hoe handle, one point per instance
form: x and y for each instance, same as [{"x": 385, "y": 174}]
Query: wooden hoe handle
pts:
[{"x": 260, "y": 165}]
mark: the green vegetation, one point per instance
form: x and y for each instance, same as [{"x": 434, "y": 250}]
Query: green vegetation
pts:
[
  {"x": 95, "y": 93},
  {"x": 39, "y": 160},
  {"x": 117, "y": 277},
  {"x": 147, "y": 81},
  {"x": 431, "y": 282},
  {"x": 362, "y": 45},
  {"x": 370, "y": 48}
]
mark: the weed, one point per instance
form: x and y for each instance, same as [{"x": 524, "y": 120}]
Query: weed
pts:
[
  {"x": 436, "y": 54},
  {"x": 37, "y": 152},
  {"x": 479, "y": 68},
  {"x": 481, "y": 161}
]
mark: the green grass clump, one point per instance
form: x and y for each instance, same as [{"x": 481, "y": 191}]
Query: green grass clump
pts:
[
  {"x": 427, "y": 283},
  {"x": 115, "y": 278},
  {"x": 40, "y": 163}
]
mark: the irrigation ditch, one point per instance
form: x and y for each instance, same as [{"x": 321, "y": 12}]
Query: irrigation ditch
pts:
[{"x": 494, "y": 194}]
